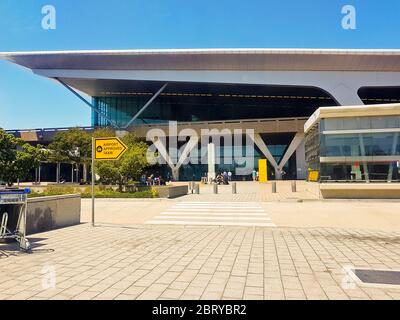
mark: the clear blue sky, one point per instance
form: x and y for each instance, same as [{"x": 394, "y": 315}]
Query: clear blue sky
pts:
[{"x": 29, "y": 101}]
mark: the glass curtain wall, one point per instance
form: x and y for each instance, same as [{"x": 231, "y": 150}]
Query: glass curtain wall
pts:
[
  {"x": 184, "y": 108},
  {"x": 360, "y": 149}
]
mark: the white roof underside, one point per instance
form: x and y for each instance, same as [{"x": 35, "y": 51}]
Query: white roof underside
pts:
[{"x": 212, "y": 59}]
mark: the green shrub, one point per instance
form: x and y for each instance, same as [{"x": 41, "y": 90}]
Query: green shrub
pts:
[
  {"x": 116, "y": 194},
  {"x": 100, "y": 192},
  {"x": 154, "y": 193}
]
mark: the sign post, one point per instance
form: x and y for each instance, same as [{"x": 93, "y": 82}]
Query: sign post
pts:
[
  {"x": 93, "y": 180},
  {"x": 105, "y": 149}
]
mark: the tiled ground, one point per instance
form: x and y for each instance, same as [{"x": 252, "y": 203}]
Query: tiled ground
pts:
[{"x": 205, "y": 262}]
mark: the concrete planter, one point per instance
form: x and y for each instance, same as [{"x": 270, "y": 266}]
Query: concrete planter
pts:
[
  {"x": 53, "y": 212},
  {"x": 360, "y": 191},
  {"x": 171, "y": 191}
]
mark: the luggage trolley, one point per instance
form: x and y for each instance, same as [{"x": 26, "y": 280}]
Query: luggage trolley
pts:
[{"x": 13, "y": 223}]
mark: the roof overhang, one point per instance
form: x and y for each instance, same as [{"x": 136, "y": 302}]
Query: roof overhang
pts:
[
  {"x": 95, "y": 72},
  {"x": 212, "y": 59}
]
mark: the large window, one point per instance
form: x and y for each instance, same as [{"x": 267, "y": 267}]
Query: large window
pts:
[
  {"x": 355, "y": 149},
  {"x": 361, "y": 144},
  {"x": 187, "y": 102},
  {"x": 360, "y": 123},
  {"x": 360, "y": 172}
]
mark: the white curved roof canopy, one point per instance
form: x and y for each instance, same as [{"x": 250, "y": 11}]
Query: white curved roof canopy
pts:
[{"x": 212, "y": 59}]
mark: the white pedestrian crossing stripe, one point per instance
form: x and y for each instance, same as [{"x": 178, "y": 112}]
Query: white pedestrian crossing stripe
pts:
[{"x": 215, "y": 214}]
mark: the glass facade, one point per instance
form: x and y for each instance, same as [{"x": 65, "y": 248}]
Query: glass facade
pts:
[
  {"x": 207, "y": 102},
  {"x": 277, "y": 144},
  {"x": 379, "y": 95},
  {"x": 355, "y": 149},
  {"x": 187, "y": 109},
  {"x": 385, "y": 122},
  {"x": 361, "y": 144}
]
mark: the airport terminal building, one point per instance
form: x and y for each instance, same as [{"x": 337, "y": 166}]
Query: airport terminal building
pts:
[{"x": 271, "y": 91}]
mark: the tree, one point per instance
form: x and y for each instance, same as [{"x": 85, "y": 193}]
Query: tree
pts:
[
  {"x": 74, "y": 146},
  {"x": 104, "y": 132},
  {"x": 129, "y": 167},
  {"x": 17, "y": 158}
]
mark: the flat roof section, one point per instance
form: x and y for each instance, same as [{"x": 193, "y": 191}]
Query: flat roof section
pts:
[
  {"x": 257, "y": 59},
  {"x": 392, "y": 109}
]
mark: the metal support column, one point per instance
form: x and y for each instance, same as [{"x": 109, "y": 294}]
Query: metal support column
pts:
[
  {"x": 365, "y": 165},
  {"x": 392, "y": 165},
  {"x": 58, "y": 172}
]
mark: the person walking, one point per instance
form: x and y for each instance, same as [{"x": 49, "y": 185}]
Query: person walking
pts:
[
  {"x": 229, "y": 176},
  {"x": 254, "y": 174}
]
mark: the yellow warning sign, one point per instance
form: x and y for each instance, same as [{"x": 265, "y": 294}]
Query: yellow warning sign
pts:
[{"x": 109, "y": 148}]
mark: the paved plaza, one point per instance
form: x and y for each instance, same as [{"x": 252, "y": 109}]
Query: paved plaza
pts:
[
  {"x": 255, "y": 191},
  {"x": 209, "y": 247},
  {"x": 172, "y": 262}
]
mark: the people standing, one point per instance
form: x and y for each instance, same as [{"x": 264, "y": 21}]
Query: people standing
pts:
[{"x": 225, "y": 178}]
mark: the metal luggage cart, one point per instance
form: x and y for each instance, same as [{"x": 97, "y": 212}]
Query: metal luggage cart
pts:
[{"x": 13, "y": 223}]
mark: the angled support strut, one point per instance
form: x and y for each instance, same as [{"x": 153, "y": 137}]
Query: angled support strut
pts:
[
  {"x": 112, "y": 122},
  {"x": 146, "y": 105}
]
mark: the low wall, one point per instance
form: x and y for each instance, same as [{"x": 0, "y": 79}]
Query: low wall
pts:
[
  {"x": 360, "y": 191},
  {"x": 48, "y": 213},
  {"x": 171, "y": 191}
]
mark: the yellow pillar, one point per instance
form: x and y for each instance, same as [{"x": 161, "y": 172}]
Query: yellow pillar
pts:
[{"x": 262, "y": 170}]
